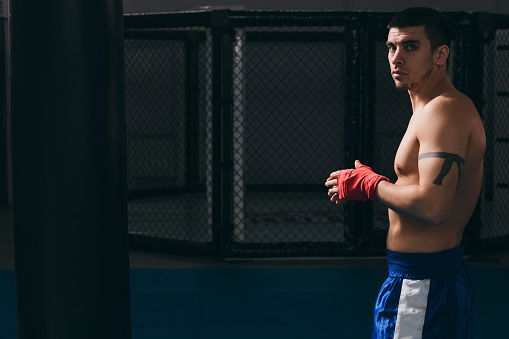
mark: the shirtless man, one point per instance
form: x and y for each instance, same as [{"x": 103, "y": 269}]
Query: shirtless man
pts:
[{"x": 439, "y": 164}]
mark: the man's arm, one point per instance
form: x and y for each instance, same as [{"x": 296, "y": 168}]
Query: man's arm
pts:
[
  {"x": 427, "y": 200},
  {"x": 443, "y": 140}
]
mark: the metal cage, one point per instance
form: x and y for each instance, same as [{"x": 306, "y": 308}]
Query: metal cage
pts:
[{"x": 235, "y": 118}]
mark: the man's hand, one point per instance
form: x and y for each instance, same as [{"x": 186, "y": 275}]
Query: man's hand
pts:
[{"x": 353, "y": 184}]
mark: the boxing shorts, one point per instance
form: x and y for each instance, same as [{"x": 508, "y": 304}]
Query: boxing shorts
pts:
[{"x": 427, "y": 295}]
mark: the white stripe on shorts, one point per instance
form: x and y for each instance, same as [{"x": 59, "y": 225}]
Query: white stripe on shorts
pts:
[{"x": 412, "y": 309}]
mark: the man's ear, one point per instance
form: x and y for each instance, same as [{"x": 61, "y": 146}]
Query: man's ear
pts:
[{"x": 441, "y": 55}]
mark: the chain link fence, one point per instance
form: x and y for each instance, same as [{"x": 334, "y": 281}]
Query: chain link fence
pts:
[
  {"x": 495, "y": 201},
  {"x": 235, "y": 119},
  {"x": 168, "y": 109},
  {"x": 288, "y": 126}
]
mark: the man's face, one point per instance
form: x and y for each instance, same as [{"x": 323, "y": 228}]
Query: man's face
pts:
[{"x": 410, "y": 56}]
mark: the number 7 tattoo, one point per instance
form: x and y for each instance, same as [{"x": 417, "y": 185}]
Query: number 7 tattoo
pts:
[{"x": 446, "y": 167}]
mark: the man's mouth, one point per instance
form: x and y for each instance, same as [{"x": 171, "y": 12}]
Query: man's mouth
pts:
[{"x": 398, "y": 74}]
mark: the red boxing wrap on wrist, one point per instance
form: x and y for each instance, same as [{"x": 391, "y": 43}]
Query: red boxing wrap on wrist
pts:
[{"x": 358, "y": 184}]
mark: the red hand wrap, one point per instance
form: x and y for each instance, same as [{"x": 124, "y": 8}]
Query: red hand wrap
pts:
[{"x": 358, "y": 184}]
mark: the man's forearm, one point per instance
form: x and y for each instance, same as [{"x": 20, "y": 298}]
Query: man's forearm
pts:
[{"x": 415, "y": 201}]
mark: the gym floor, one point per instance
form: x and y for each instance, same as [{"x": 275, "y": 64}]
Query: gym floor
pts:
[{"x": 194, "y": 297}]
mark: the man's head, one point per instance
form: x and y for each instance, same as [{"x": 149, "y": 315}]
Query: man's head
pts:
[
  {"x": 418, "y": 44},
  {"x": 435, "y": 26}
]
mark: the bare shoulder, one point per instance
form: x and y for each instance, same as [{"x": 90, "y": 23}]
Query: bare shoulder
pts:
[
  {"x": 454, "y": 110},
  {"x": 451, "y": 121},
  {"x": 452, "y": 105}
]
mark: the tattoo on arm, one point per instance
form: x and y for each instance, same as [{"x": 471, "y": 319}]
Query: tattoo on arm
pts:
[{"x": 446, "y": 167}]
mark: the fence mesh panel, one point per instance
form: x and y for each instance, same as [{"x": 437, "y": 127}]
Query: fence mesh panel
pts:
[
  {"x": 168, "y": 129},
  {"x": 288, "y": 118},
  {"x": 495, "y": 198}
]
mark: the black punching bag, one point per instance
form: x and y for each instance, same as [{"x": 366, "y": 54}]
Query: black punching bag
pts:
[{"x": 69, "y": 169}]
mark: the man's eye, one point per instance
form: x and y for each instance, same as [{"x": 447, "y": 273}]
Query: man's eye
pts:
[
  {"x": 391, "y": 48},
  {"x": 411, "y": 47}
]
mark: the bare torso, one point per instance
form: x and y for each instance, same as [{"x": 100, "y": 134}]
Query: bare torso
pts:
[{"x": 408, "y": 234}]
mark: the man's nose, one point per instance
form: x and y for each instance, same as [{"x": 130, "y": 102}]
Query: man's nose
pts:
[{"x": 397, "y": 58}]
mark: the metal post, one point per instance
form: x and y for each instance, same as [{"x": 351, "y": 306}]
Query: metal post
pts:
[
  {"x": 238, "y": 135},
  {"x": 222, "y": 102},
  {"x": 4, "y": 125},
  {"x": 479, "y": 36},
  {"x": 69, "y": 170},
  {"x": 209, "y": 169},
  {"x": 194, "y": 229}
]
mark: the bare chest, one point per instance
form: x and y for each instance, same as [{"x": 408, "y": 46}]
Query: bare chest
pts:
[{"x": 405, "y": 162}]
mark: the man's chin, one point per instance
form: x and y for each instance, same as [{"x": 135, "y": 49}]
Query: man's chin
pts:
[{"x": 402, "y": 86}]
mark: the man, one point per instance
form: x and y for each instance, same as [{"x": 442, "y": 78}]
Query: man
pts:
[{"x": 439, "y": 164}]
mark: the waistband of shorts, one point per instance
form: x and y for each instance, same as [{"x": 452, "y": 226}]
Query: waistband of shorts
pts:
[{"x": 425, "y": 265}]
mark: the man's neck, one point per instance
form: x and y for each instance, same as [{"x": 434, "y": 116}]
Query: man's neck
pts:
[{"x": 431, "y": 88}]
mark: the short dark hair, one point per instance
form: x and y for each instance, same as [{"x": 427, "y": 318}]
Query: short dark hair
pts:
[{"x": 434, "y": 23}]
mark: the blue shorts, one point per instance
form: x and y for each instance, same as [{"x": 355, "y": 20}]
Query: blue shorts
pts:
[{"x": 427, "y": 295}]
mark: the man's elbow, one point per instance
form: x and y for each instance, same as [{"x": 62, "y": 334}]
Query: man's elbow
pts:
[
  {"x": 438, "y": 216},
  {"x": 436, "y": 220}
]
